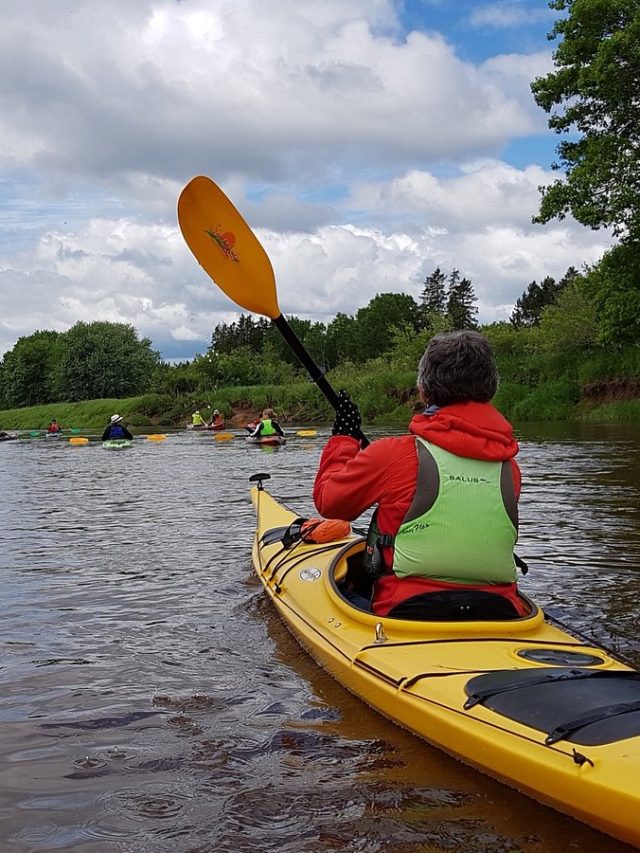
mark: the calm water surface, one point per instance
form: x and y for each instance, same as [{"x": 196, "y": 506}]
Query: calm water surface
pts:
[{"x": 151, "y": 700}]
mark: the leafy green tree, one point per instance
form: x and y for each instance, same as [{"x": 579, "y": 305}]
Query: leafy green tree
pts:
[
  {"x": 376, "y": 321},
  {"x": 592, "y": 97},
  {"x": 240, "y": 367},
  {"x": 506, "y": 341},
  {"x": 407, "y": 346},
  {"x": 177, "y": 379},
  {"x": 311, "y": 335},
  {"x": 461, "y": 302},
  {"x": 341, "y": 340},
  {"x": 569, "y": 326},
  {"x": 104, "y": 359},
  {"x": 315, "y": 342},
  {"x": 614, "y": 285},
  {"x": 4, "y": 403},
  {"x": 29, "y": 369},
  {"x": 245, "y": 367}
]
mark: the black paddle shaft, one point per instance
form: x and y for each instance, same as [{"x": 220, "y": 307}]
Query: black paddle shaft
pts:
[{"x": 314, "y": 371}]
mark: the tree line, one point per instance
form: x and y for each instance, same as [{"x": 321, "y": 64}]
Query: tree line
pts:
[
  {"x": 251, "y": 351},
  {"x": 89, "y": 361},
  {"x": 102, "y": 359}
]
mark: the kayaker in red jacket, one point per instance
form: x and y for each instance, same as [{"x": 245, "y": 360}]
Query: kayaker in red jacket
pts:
[{"x": 446, "y": 493}]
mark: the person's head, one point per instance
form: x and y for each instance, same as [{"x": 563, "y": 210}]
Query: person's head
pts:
[
  {"x": 54, "y": 421},
  {"x": 457, "y": 367},
  {"x": 216, "y": 412},
  {"x": 115, "y": 419},
  {"x": 268, "y": 413},
  {"x": 197, "y": 412}
]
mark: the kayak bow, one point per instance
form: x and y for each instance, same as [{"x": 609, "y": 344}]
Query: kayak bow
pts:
[{"x": 520, "y": 699}]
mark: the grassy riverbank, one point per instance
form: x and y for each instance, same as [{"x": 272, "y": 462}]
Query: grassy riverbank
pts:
[{"x": 382, "y": 398}]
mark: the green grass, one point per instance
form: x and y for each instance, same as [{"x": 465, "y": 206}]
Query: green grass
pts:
[
  {"x": 89, "y": 414},
  {"x": 620, "y": 412},
  {"x": 385, "y": 395}
]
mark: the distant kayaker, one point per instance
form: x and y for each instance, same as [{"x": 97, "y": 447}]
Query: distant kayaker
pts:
[
  {"x": 116, "y": 429},
  {"x": 441, "y": 539},
  {"x": 216, "y": 419},
  {"x": 54, "y": 427},
  {"x": 267, "y": 425},
  {"x": 197, "y": 419}
]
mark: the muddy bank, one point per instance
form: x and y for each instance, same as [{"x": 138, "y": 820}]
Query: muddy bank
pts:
[{"x": 611, "y": 390}]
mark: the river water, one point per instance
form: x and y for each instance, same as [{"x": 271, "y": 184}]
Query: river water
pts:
[{"x": 151, "y": 700}]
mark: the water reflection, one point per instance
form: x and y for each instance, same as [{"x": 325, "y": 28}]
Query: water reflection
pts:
[{"x": 151, "y": 699}]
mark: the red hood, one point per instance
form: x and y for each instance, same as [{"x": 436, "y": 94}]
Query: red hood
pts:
[{"x": 474, "y": 430}]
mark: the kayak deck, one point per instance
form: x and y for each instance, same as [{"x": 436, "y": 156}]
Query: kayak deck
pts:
[
  {"x": 519, "y": 699},
  {"x": 116, "y": 444},
  {"x": 267, "y": 440}
]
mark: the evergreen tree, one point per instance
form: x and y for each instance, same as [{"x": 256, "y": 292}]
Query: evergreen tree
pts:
[
  {"x": 245, "y": 332},
  {"x": 529, "y": 307},
  {"x": 461, "y": 302},
  {"x": 433, "y": 299}
]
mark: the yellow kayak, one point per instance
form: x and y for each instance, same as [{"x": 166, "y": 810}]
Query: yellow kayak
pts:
[{"x": 520, "y": 699}]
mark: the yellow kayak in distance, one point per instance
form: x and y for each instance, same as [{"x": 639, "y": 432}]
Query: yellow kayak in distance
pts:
[{"x": 520, "y": 699}]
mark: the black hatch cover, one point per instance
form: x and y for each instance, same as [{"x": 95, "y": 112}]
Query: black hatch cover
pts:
[{"x": 583, "y": 706}]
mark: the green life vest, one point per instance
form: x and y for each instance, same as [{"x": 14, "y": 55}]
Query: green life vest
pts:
[
  {"x": 462, "y": 524},
  {"x": 267, "y": 427}
]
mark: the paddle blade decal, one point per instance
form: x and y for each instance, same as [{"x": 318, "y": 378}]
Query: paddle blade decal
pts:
[{"x": 226, "y": 248}]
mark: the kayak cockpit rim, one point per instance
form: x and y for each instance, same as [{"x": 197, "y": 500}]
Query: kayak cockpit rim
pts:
[{"x": 337, "y": 571}]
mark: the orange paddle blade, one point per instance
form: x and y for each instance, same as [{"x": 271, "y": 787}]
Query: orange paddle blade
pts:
[{"x": 226, "y": 248}]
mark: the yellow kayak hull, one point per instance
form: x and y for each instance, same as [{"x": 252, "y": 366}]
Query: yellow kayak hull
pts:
[{"x": 415, "y": 673}]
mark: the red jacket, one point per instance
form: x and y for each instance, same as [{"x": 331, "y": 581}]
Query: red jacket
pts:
[{"x": 350, "y": 481}]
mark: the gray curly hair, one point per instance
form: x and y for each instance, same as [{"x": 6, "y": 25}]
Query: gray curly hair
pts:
[{"x": 457, "y": 367}]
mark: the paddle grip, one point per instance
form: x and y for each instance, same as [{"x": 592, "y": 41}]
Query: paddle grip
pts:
[{"x": 314, "y": 371}]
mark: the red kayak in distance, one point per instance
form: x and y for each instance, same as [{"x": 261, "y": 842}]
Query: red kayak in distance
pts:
[
  {"x": 267, "y": 440},
  {"x": 206, "y": 427}
]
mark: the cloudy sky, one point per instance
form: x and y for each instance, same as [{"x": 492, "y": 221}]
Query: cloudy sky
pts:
[{"x": 365, "y": 141}]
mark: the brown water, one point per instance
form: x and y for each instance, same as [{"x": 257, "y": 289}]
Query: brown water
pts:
[{"x": 151, "y": 700}]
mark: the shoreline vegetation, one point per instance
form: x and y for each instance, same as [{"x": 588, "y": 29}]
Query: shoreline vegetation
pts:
[
  {"x": 557, "y": 359},
  {"x": 383, "y": 399}
]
